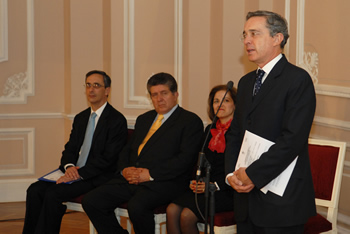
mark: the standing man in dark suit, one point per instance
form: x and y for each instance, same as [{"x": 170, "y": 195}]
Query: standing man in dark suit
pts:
[
  {"x": 44, "y": 208},
  {"x": 150, "y": 173},
  {"x": 281, "y": 111}
]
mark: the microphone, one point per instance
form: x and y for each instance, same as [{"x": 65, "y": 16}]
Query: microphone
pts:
[{"x": 201, "y": 156}]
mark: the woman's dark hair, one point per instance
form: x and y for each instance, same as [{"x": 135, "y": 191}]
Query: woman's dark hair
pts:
[{"x": 212, "y": 93}]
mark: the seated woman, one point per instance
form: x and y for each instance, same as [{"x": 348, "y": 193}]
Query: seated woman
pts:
[{"x": 182, "y": 214}]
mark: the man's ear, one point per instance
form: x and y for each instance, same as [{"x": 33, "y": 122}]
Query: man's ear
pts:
[
  {"x": 278, "y": 38},
  {"x": 107, "y": 91}
]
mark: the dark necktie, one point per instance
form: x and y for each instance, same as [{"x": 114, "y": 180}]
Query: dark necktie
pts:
[
  {"x": 85, "y": 148},
  {"x": 258, "y": 81}
]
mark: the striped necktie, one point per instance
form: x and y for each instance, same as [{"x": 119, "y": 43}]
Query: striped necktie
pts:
[
  {"x": 258, "y": 81},
  {"x": 152, "y": 130}
]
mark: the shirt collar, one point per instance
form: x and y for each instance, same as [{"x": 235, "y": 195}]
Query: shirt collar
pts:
[
  {"x": 99, "y": 110},
  {"x": 268, "y": 67},
  {"x": 167, "y": 115}
]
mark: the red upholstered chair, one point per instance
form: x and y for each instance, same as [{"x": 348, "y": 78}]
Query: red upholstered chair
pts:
[
  {"x": 327, "y": 161},
  {"x": 224, "y": 223}
]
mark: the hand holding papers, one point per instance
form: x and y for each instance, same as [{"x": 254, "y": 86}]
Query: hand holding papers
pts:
[
  {"x": 253, "y": 146},
  {"x": 54, "y": 175}
]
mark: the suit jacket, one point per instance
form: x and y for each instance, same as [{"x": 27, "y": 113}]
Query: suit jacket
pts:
[
  {"x": 108, "y": 140},
  {"x": 281, "y": 112},
  {"x": 171, "y": 152}
]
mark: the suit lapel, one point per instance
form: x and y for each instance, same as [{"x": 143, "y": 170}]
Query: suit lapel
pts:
[{"x": 269, "y": 83}]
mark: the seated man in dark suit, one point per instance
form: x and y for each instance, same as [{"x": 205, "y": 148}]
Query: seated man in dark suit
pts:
[
  {"x": 92, "y": 159},
  {"x": 150, "y": 172}
]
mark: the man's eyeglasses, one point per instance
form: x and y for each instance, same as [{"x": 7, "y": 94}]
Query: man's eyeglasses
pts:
[
  {"x": 94, "y": 85},
  {"x": 251, "y": 34}
]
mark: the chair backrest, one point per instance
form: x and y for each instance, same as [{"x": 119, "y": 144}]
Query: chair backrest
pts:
[{"x": 327, "y": 162}]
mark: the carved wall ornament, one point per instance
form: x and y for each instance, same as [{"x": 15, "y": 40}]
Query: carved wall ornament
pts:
[
  {"x": 311, "y": 65},
  {"x": 16, "y": 86}
]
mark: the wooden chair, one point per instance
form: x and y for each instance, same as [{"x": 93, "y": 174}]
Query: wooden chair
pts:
[
  {"x": 327, "y": 162},
  {"x": 75, "y": 204},
  {"x": 159, "y": 217},
  {"x": 121, "y": 211}
]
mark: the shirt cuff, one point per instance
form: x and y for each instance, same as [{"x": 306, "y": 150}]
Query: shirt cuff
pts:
[
  {"x": 217, "y": 186},
  {"x": 68, "y": 165},
  {"x": 228, "y": 175}
]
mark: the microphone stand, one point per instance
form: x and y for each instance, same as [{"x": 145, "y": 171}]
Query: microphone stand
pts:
[
  {"x": 209, "y": 196},
  {"x": 209, "y": 187}
]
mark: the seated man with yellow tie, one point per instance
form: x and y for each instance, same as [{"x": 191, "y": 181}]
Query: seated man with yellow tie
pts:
[
  {"x": 154, "y": 167},
  {"x": 91, "y": 154}
]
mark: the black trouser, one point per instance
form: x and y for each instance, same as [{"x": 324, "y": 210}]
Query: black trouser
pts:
[
  {"x": 248, "y": 227},
  {"x": 44, "y": 209}
]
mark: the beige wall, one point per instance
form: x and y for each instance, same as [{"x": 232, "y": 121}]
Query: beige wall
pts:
[{"x": 46, "y": 47}]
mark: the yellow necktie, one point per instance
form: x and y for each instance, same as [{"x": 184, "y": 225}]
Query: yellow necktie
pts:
[{"x": 152, "y": 130}]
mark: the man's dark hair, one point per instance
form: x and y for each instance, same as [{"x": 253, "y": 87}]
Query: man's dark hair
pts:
[
  {"x": 274, "y": 22},
  {"x": 162, "y": 79},
  {"x": 106, "y": 79}
]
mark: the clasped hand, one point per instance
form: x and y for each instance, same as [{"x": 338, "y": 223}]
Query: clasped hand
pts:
[
  {"x": 136, "y": 175},
  {"x": 240, "y": 181},
  {"x": 70, "y": 175},
  {"x": 200, "y": 188}
]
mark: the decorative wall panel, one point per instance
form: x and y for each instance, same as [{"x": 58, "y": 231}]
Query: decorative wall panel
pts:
[
  {"x": 20, "y": 162},
  {"x": 3, "y": 31},
  {"x": 21, "y": 84},
  {"x": 138, "y": 62}
]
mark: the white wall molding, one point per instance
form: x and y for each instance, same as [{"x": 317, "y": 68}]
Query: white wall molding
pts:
[
  {"x": 130, "y": 119},
  {"x": 332, "y": 123},
  {"x": 345, "y": 219},
  {"x": 332, "y": 90},
  {"x": 130, "y": 99},
  {"x": 27, "y": 139},
  {"x": 3, "y": 31},
  {"x": 305, "y": 59},
  {"x": 309, "y": 59},
  {"x": 287, "y": 17},
  {"x": 20, "y": 85},
  {"x": 33, "y": 116},
  {"x": 14, "y": 190}
]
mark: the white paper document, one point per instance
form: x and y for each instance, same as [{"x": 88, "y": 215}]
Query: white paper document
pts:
[
  {"x": 253, "y": 146},
  {"x": 54, "y": 175}
]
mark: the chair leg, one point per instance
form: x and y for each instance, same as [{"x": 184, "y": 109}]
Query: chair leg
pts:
[
  {"x": 163, "y": 228},
  {"x": 157, "y": 228},
  {"x": 128, "y": 225},
  {"x": 92, "y": 229}
]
